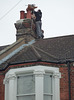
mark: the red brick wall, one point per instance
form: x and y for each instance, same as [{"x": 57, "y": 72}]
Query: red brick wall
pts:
[
  {"x": 1, "y": 87},
  {"x": 64, "y": 83},
  {"x": 64, "y": 95},
  {"x": 72, "y": 83}
]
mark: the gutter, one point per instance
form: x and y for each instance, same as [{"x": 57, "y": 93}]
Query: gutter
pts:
[{"x": 16, "y": 63}]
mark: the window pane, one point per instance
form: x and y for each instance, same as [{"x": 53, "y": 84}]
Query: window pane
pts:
[
  {"x": 26, "y": 98},
  {"x": 25, "y": 84},
  {"x": 47, "y": 84},
  {"x": 47, "y": 97}
]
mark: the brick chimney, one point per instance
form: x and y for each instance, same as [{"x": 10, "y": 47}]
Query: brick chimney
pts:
[{"x": 25, "y": 27}]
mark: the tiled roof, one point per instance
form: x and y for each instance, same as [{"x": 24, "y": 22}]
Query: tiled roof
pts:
[
  {"x": 58, "y": 49},
  {"x": 3, "y": 47},
  {"x": 62, "y": 48}
]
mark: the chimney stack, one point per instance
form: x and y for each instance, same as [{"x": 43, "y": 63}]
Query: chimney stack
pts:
[{"x": 25, "y": 27}]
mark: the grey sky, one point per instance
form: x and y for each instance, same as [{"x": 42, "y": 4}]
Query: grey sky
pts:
[{"x": 58, "y": 18}]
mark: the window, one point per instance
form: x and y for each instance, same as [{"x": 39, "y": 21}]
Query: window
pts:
[
  {"x": 32, "y": 83},
  {"x": 48, "y": 86},
  {"x": 26, "y": 87}
]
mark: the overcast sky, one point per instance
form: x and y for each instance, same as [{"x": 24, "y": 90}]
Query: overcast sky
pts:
[{"x": 57, "y": 19}]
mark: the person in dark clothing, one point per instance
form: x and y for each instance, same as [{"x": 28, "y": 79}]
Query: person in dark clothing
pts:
[
  {"x": 38, "y": 15},
  {"x": 38, "y": 22}
]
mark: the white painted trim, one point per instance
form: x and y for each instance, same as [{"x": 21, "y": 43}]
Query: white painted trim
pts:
[
  {"x": 38, "y": 71},
  {"x": 6, "y": 91},
  {"x": 39, "y": 87}
]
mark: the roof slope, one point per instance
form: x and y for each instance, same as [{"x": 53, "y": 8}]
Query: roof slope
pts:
[
  {"x": 3, "y": 47},
  {"x": 51, "y": 50},
  {"x": 59, "y": 47}
]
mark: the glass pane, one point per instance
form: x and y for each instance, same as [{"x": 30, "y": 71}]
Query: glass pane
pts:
[
  {"x": 47, "y": 97},
  {"x": 25, "y": 84},
  {"x": 47, "y": 84},
  {"x": 26, "y": 98}
]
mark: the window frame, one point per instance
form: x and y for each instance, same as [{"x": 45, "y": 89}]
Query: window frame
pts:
[
  {"x": 38, "y": 71},
  {"x": 49, "y": 94},
  {"x": 27, "y": 94}
]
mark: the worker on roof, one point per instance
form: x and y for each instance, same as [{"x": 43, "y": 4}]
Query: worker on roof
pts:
[
  {"x": 38, "y": 22},
  {"x": 36, "y": 15}
]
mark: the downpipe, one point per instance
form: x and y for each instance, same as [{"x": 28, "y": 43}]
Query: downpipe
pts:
[{"x": 69, "y": 69}]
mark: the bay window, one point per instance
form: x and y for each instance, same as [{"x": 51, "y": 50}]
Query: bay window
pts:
[{"x": 32, "y": 83}]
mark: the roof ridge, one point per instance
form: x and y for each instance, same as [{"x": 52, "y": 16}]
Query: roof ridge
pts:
[
  {"x": 63, "y": 36},
  {"x": 36, "y": 52},
  {"x": 10, "y": 46},
  {"x": 46, "y": 53}
]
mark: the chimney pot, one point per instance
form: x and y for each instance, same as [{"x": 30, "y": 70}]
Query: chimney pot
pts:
[{"x": 22, "y": 14}]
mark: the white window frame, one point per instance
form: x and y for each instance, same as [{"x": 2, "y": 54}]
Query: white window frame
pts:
[
  {"x": 52, "y": 81},
  {"x": 10, "y": 81},
  {"x": 26, "y": 94}
]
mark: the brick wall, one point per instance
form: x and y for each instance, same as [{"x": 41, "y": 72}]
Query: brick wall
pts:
[
  {"x": 72, "y": 83},
  {"x": 64, "y": 83},
  {"x": 25, "y": 29},
  {"x": 1, "y": 87},
  {"x": 64, "y": 95}
]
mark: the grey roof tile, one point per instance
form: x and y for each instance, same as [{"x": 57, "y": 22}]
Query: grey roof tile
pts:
[{"x": 51, "y": 49}]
